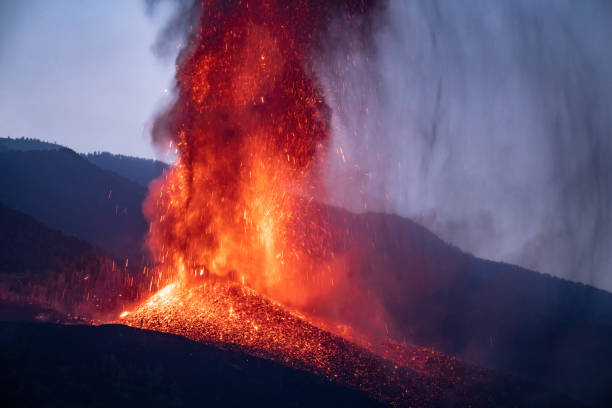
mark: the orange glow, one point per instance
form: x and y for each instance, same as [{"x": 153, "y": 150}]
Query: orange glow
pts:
[
  {"x": 250, "y": 126},
  {"x": 238, "y": 238},
  {"x": 224, "y": 312}
]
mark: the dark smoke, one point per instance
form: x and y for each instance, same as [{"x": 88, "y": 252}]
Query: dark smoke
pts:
[
  {"x": 183, "y": 21},
  {"x": 490, "y": 122}
]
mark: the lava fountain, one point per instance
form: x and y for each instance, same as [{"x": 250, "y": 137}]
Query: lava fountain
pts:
[
  {"x": 250, "y": 127},
  {"x": 245, "y": 256},
  {"x": 243, "y": 250}
]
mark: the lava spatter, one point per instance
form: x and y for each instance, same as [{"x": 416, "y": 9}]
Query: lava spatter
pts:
[{"x": 230, "y": 315}]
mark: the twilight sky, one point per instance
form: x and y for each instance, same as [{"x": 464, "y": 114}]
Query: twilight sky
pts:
[{"x": 81, "y": 73}]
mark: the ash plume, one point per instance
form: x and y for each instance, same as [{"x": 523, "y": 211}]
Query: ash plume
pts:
[
  {"x": 490, "y": 123},
  {"x": 184, "y": 18}
]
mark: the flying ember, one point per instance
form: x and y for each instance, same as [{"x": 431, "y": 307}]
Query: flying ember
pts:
[
  {"x": 246, "y": 256},
  {"x": 250, "y": 125},
  {"x": 239, "y": 239}
]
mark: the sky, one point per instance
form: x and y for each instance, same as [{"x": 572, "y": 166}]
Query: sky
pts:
[{"x": 82, "y": 73}]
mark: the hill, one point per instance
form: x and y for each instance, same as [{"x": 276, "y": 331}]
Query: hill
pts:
[
  {"x": 27, "y": 245},
  {"x": 26, "y": 144},
  {"x": 141, "y": 171},
  {"x": 66, "y": 192},
  {"x": 44, "y": 272},
  {"x": 136, "y": 169}
]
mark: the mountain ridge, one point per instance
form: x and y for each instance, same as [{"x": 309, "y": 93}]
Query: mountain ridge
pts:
[{"x": 64, "y": 191}]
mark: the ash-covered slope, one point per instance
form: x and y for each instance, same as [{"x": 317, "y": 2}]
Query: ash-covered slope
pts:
[
  {"x": 47, "y": 365},
  {"x": 231, "y": 315}
]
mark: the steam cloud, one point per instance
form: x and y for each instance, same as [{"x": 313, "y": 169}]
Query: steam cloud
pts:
[{"x": 490, "y": 122}]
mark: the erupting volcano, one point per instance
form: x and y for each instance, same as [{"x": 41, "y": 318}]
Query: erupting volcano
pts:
[
  {"x": 235, "y": 222},
  {"x": 246, "y": 256},
  {"x": 357, "y": 199}
]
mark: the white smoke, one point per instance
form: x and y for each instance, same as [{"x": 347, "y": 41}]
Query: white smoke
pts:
[{"x": 490, "y": 122}]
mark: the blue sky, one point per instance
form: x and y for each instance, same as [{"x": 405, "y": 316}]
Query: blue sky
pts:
[{"x": 81, "y": 73}]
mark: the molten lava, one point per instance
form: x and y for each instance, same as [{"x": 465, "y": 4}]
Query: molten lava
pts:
[{"x": 250, "y": 127}]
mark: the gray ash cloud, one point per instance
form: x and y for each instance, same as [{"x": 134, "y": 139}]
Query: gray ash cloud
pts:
[{"x": 491, "y": 123}]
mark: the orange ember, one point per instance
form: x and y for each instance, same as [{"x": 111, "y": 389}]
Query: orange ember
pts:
[
  {"x": 239, "y": 241},
  {"x": 250, "y": 128},
  {"x": 235, "y": 222},
  {"x": 231, "y": 315}
]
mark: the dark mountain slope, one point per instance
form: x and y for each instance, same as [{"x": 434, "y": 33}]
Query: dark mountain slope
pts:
[
  {"x": 27, "y": 245},
  {"x": 25, "y": 144},
  {"x": 136, "y": 169},
  {"x": 141, "y": 171},
  {"x": 44, "y": 272},
  {"x": 50, "y": 365},
  {"x": 66, "y": 192},
  {"x": 501, "y": 316}
]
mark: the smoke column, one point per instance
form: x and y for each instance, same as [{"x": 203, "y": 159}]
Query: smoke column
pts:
[{"x": 490, "y": 122}]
